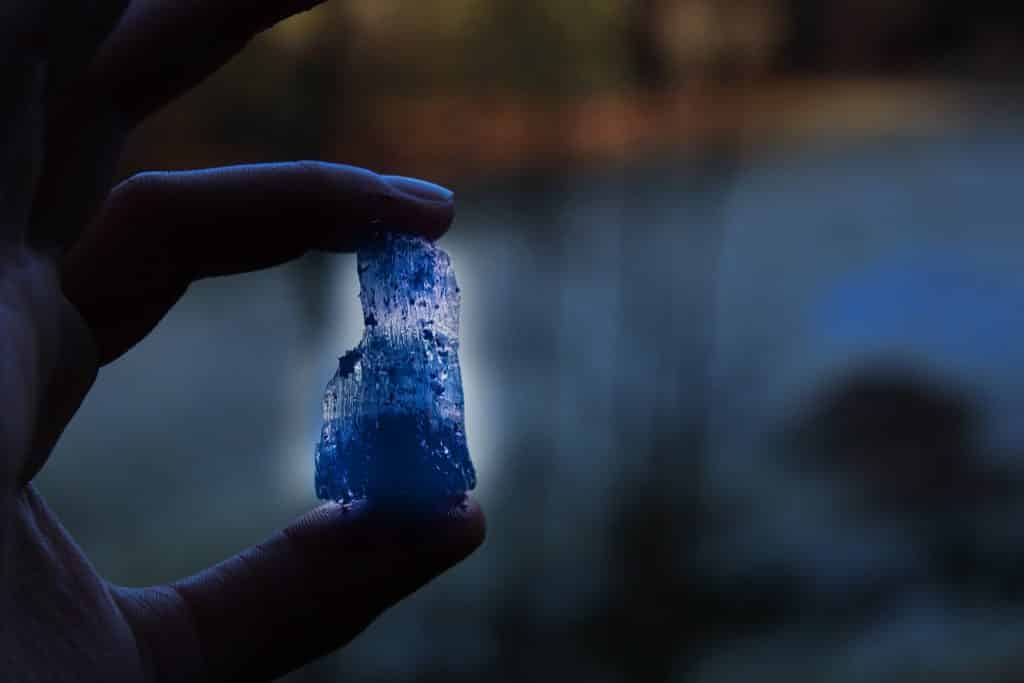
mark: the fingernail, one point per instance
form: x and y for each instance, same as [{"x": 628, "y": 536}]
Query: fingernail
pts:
[{"x": 419, "y": 189}]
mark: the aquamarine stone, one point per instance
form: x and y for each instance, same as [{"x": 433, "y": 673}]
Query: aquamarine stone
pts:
[{"x": 394, "y": 428}]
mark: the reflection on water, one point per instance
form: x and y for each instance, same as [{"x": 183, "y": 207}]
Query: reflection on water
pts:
[{"x": 644, "y": 524}]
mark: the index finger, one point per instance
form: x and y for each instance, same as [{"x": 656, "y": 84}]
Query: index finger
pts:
[{"x": 158, "y": 232}]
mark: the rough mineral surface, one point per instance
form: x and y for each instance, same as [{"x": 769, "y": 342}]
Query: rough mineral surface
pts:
[{"x": 393, "y": 427}]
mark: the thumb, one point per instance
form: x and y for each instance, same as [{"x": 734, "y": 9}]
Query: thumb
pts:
[{"x": 303, "y": 593}]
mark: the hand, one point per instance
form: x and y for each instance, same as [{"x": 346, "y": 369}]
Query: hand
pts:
[{"x": 86, "y": 272}]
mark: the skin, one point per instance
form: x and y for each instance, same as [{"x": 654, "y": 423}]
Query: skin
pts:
[{"x": 88, "y": 269}]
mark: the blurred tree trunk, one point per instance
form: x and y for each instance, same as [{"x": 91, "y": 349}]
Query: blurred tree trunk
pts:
[{"x": 648, "y": 64}]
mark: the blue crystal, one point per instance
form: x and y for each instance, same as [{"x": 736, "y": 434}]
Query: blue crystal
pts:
[{"x": 394, "y": 430}]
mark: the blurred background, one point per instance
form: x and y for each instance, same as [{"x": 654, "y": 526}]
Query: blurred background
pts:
[{"x": 743, "y": 336}]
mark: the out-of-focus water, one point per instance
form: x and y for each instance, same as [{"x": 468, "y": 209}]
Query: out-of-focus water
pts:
[{"x": 645, "y": 350}]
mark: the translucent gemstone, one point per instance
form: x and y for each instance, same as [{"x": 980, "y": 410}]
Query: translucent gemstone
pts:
[{"x": 394, "y": 430}]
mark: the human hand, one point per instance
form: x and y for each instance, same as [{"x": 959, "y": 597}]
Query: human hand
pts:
[{"x": 86, "y": 272}]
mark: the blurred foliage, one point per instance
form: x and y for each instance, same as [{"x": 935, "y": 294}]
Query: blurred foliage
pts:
[
  {"x": 454, "y": 88},
  {"x": 480, "y": 45}
]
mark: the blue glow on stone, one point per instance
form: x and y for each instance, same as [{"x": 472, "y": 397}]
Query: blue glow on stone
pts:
[{"x": 394, "y": 427}]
